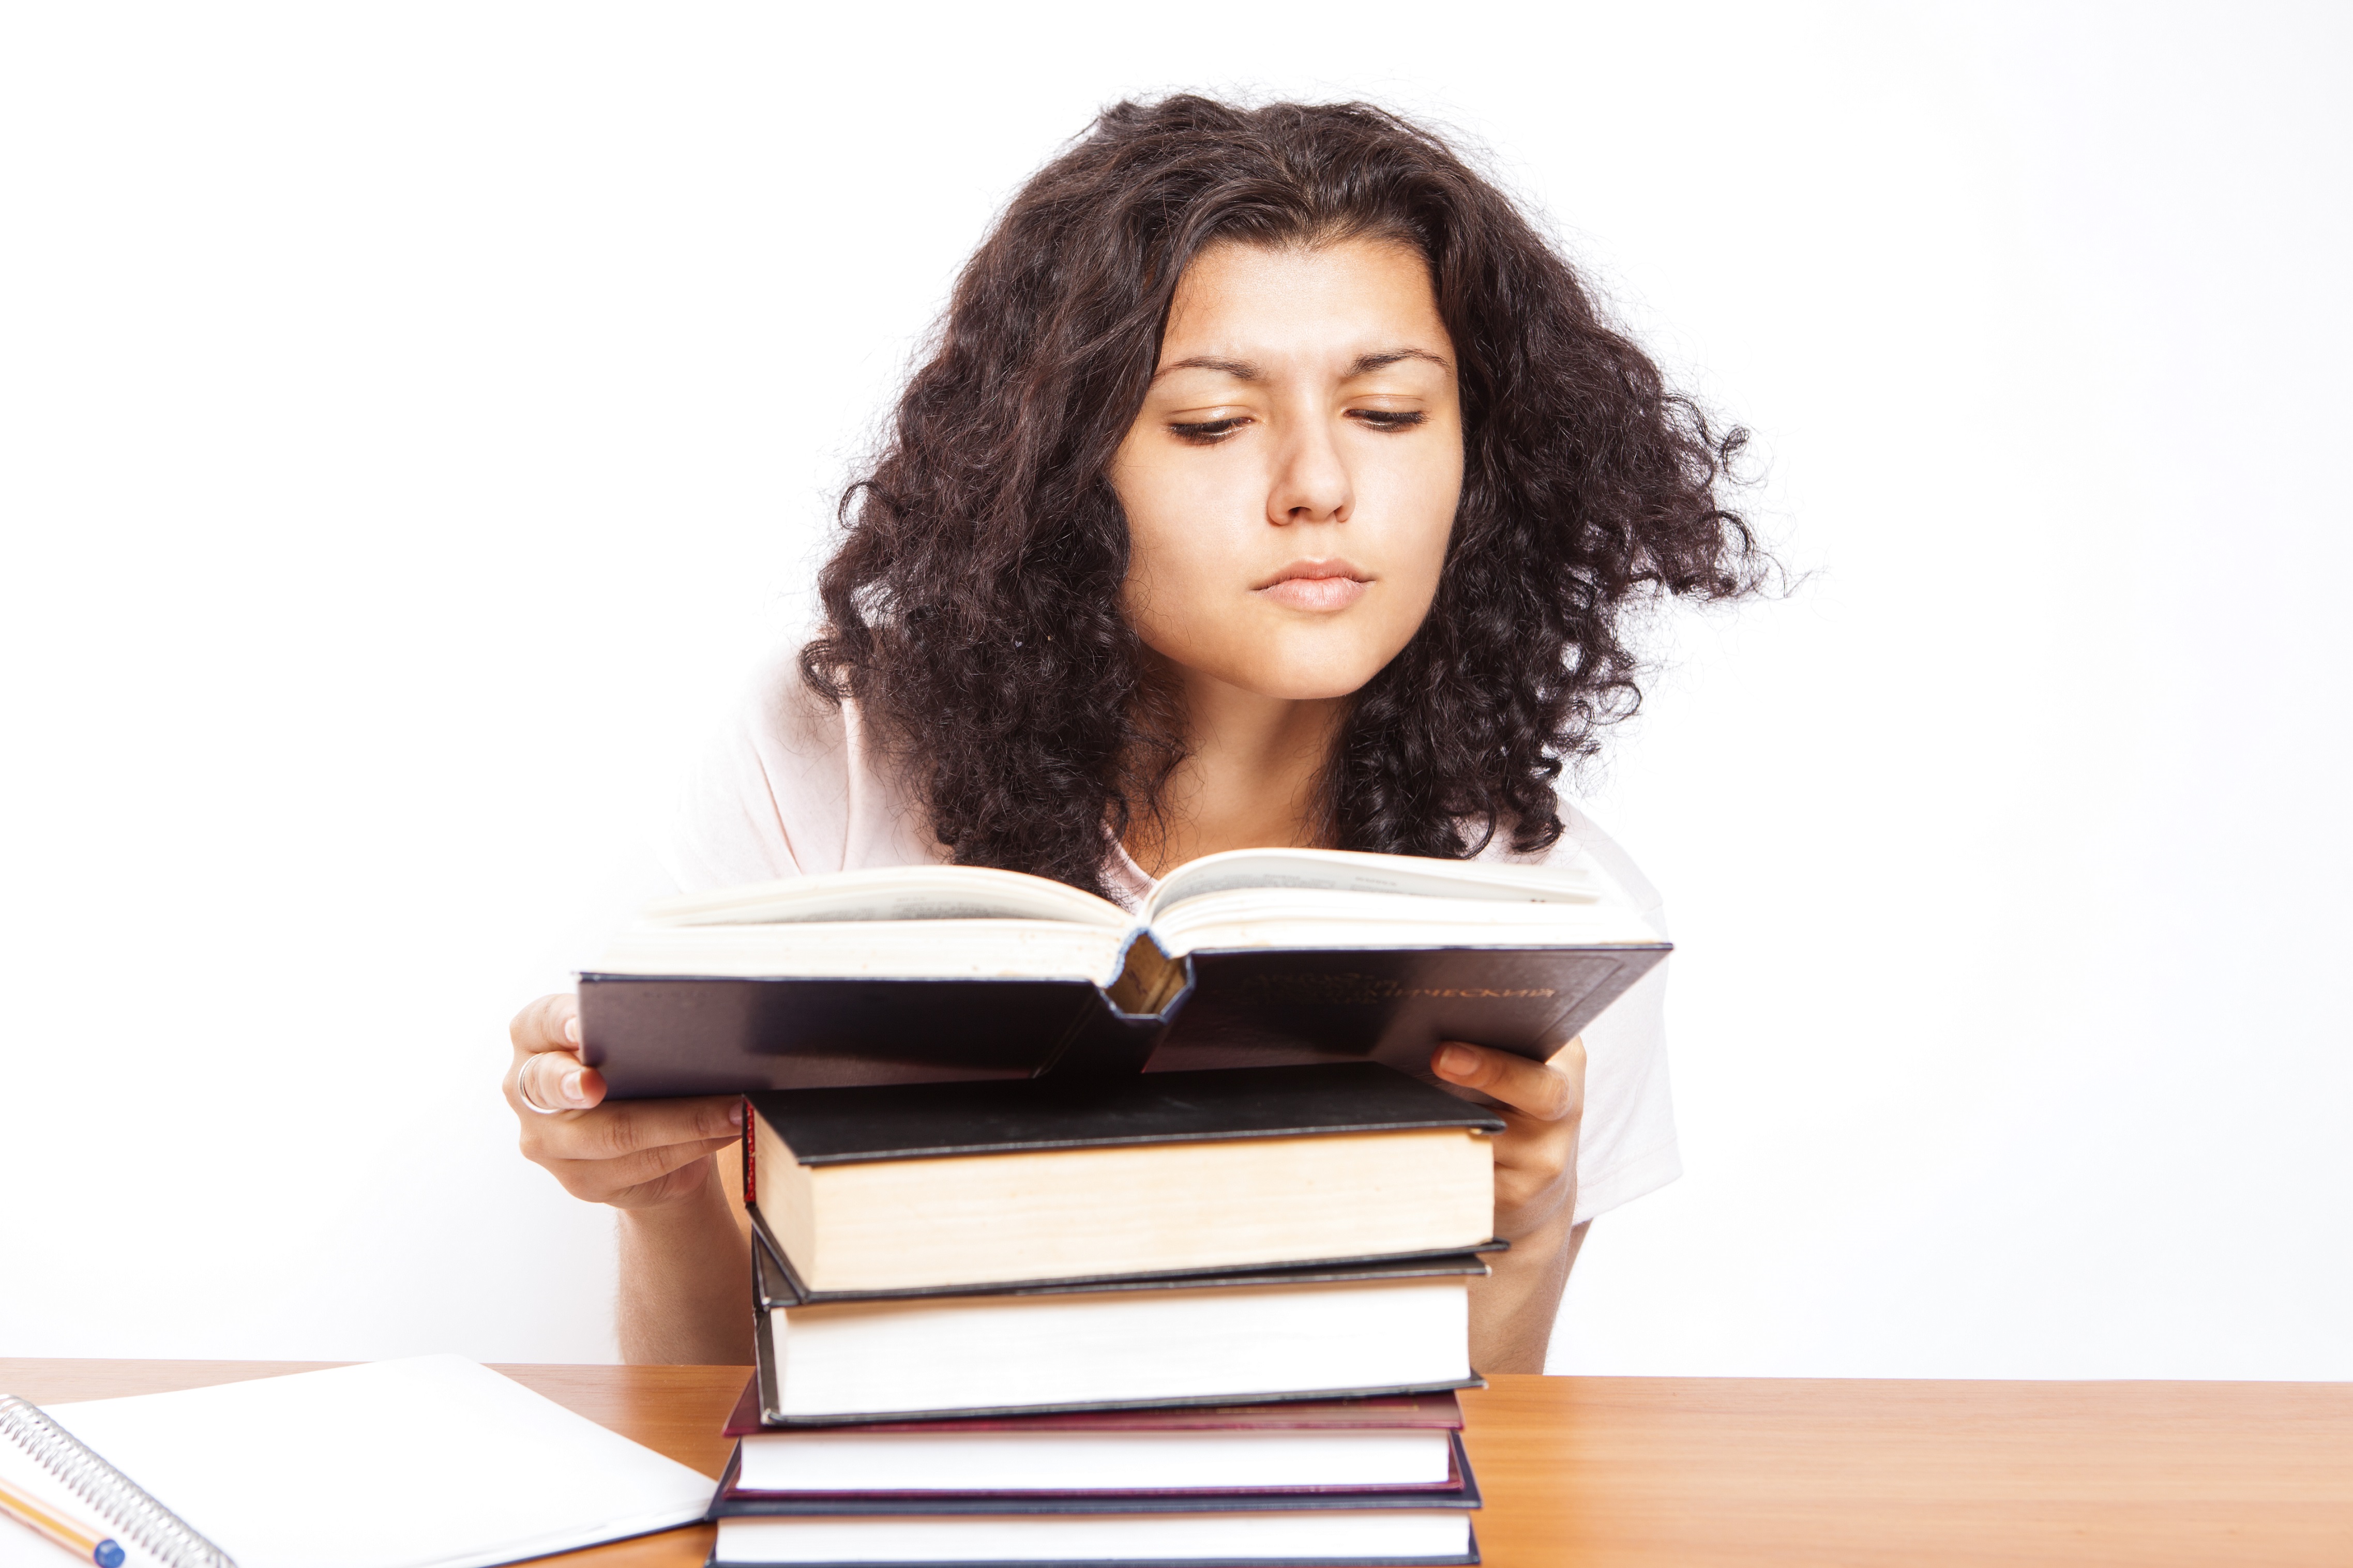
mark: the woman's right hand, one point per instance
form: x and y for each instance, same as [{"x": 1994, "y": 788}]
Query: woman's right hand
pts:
[{"x": 638, "y": 1154}]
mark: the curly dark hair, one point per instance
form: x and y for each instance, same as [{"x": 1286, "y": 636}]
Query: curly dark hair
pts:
[{"x": 974, "y": 603}]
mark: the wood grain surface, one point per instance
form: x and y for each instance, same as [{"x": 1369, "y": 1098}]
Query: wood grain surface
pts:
[{"x": 1646, "y": 1472}]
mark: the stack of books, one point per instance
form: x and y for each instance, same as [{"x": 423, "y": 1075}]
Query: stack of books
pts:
[
  {"x": 1196, "y": 1317},
  {"x": 1091, "y": 1234}
]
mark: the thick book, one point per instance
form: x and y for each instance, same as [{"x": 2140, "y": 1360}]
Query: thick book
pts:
[
  {"x": 1399, "y": 1443},
  {"x": 934, "y": 1186},
  {"x": 1395, "y": 1326},
  {"x": 1250, "y": 958}
]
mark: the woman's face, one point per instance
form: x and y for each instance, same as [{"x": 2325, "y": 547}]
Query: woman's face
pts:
[{"x": 1292, "y": 480}]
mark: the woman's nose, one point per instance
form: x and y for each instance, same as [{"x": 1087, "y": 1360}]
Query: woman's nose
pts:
[{"x": 1311, "y": 482}]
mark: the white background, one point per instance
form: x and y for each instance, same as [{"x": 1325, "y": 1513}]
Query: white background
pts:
[{"x": 414, "y": 421}]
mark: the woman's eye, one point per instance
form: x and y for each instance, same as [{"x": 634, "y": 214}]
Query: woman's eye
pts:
[
  {"x": 1388, "y": 418},
  {"x": 1209, "y": 431}
]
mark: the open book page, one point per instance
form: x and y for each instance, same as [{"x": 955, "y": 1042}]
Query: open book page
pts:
[
  {"x": 869, "y": 949},
  {"x": 891, "y": 893},
  {"x": 973, "y": 922},
  {"x": 1347, "y": 873},
  {"x": 1244, "y": 918}
]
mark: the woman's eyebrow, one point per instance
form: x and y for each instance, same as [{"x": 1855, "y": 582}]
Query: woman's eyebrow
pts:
[
  {"x": 1240, "y": 369},
  {"x": 1368, "y": 364},
  {"x": 1244, "y": 369}
]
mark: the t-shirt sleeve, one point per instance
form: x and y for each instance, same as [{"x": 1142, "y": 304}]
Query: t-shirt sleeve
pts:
[
  {"x": 794, "y": 786},
  {"x": 1626, "y": 1146},
  {"x": 766, "y": 798}
]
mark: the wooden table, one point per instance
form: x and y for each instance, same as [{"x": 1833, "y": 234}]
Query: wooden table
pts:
[{"x": 1628, "y": 1471}]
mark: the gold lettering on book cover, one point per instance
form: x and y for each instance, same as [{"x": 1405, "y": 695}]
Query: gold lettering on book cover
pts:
[{"x": 1327, "y": 989}]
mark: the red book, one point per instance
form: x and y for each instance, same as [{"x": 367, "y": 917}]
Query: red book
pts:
[{"x": 1378, "y": 1448}]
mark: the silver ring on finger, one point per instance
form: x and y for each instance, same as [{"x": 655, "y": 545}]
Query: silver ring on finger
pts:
[{"x": 522, "y": 1093}]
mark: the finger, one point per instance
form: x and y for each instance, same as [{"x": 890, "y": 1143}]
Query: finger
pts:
[
  {"x": 612, "y": 1180},
  {"x": 554, "y": 1080},
  {"x": 617, "y": 1132},
  {"x": 1570, "y": 1059},
  {"x": 1535, "y": 1153},
  {"x": 1528, "y": 1198},
  {"x": 550, "y": 1024},
  {"x": 1532, "y": 1089}
]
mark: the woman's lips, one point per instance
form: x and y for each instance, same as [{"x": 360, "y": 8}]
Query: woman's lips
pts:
[{"x": 1316, "y": 586}]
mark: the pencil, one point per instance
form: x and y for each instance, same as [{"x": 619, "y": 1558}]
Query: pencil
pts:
[{"x": 57, "y": 1528}]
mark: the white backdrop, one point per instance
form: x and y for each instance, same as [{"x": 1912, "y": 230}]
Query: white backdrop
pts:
[{"x": 414, "y": 421}]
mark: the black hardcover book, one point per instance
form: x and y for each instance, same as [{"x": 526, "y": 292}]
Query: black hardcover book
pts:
[
  {"x": 777, "y": 1294},
  {"x": 909, "y": 1189},
  {"x": 1251, "y": 959},
  {"x": 852, "y": 1126}
]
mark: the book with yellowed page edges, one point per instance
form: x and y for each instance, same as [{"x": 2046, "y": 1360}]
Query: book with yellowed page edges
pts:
[
  {"x": 1250, "y": 958},
  {"x": 924, "y": 1188}
]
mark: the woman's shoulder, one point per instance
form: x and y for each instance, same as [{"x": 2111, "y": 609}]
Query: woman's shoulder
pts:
[{"x": 793, "y": 785}]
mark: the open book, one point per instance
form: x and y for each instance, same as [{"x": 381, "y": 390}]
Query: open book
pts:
[{"x": 1255, "y": 957}]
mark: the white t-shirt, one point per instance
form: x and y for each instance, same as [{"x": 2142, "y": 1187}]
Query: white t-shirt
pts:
[{"x": 795, "y": 786}]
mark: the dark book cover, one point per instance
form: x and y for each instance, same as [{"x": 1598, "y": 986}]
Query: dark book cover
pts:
[
  {"x": 1430, "y": 1411},
  {"x": 663, "y": 1035},
  {"x": 1468, "y": 1560},
  {"x": 774, "y": 1289},
  {"x": 652, "y": 1035},
  {"x": 1462, "y": 1490},
  {"x": 914, "y": 1122}
]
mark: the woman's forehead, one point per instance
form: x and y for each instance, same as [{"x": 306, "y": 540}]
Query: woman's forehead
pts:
[{"x": 1246, "y": 310}]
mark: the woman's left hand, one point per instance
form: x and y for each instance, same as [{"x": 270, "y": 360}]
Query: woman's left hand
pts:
[
  {"x": 1512, "y": 1310},
  {"x": 1535, "y": 1157}
]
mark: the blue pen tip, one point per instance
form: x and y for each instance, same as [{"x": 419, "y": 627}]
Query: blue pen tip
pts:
[{"x": 107, "y": 1555}]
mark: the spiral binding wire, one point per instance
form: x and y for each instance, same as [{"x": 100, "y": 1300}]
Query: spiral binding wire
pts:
[{"x": 144, "y": 1523}]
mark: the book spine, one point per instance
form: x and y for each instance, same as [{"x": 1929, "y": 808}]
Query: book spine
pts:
[
  {"x": 1107, "y": 1043},
  {"x": 751, "y": 1157}
]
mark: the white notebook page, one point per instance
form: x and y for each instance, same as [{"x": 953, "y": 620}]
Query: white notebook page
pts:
[{"x": 432, "y": 1462}]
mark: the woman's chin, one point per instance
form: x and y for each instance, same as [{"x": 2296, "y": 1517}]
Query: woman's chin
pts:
[{"x": 1285, "y": 681}]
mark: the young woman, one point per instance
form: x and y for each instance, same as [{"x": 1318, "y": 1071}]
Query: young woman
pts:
[{"x": 1273, "y": 482}]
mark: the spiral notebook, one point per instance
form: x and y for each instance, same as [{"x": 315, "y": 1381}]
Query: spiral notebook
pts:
[{"x": 433, "y": 1462}]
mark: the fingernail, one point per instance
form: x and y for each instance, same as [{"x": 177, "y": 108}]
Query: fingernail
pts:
[
  {"x": 571, "y": 1028},
  {"x": 570, "y": 1089},
  {"x": 1454, "y": 1058},
  {"x": 735, "y": 1114}
]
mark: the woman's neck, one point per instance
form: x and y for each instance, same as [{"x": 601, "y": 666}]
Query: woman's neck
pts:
[{"x": 1253, "y": 774}]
